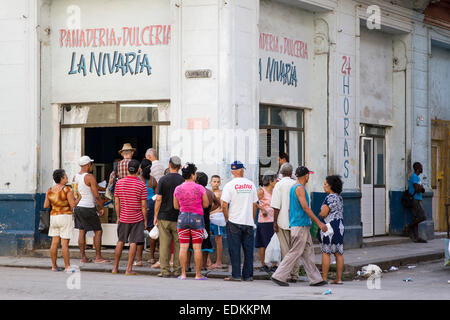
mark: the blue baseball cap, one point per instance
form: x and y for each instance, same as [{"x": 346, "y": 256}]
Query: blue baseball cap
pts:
[{"x": 236, "y": 165}]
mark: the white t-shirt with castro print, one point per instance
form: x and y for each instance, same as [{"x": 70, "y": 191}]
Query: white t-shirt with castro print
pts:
[{"x": 240, "y": 194}]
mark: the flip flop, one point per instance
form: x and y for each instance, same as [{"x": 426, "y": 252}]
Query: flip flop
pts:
[
  {"x": 152, "y": 261},
  {"x": 87, "y": 261},
  {"x": 335, "y": 282},
  {"x": 131, "y": 274},
  {"x": 202, "y": 278},
  {"x": 181, "y": 278},
  {"x": 57, "y": 269},
  {"x": 103, "y": 261},
  {"x": 214, "y": 268},
  {"x": 138, "y": 264},
  {"x": 114, "y": 272}
]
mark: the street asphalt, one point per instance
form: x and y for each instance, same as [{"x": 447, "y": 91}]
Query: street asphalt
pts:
[{"x": 428, "y": 280}]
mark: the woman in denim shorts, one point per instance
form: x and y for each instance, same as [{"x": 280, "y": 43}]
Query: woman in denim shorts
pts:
[{"x": 190, "y": 198}]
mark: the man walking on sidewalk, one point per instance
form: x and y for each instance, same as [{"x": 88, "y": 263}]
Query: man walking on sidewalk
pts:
[
  {"x": 241, "y": 196},
  {"x": 415, "y": 187},
  {"x": 280, "y": 204},
  {"x": 166, "y": 217},
  {"x": 300, "y": 216},
  {"x": 85, "y": 213},
  {"x": 130, "y": 196}
]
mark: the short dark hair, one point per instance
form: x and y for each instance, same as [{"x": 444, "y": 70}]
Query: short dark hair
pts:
[
  {"x": 133, "y": 166},
  {"x": 215, "y": 176},
  {"x": 284, "y": 155},
  {"x": 268, "y": 178},
  {"x": 335, "y": 183},
  {"x": 188, "y": 170},
  {"x": 416, "y": 165},
  {"x": 202, "y": 178},
  {"x": 58, "y": 175},
  {"x": 146, "y": 166}
]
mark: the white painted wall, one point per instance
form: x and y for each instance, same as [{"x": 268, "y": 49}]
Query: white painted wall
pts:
[
  {"x": 19, "y": 89},
  {"x": 375, "y": 77},
  {"x": 214, "y": 121},
  {"x": 440, "y": 83}
]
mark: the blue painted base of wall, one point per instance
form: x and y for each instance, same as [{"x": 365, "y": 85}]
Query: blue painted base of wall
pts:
[
  {"x": 352, "y": 216},
  {"x": 400, "y": 216},
  {"x": 19, "y": 222}
]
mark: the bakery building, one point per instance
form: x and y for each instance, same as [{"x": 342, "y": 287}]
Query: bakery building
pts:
[{"x": 213, "y": 82}]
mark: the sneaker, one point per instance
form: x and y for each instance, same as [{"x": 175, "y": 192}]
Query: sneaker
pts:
[
  {"x": 280, "y": 283},
  {"x": 291, "y": 280},
  {"x": 163, "y": 275},
  {"x": 248, "y": 279},
  {"x": 273, "y": 268},
  {"x": 264, "y": 269},
  {"x": 420, "y": 240},
  {"x": 318, "y": 284}
]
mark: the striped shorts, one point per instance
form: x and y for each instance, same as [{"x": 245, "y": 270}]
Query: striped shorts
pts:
[{"x": 190, "y": 225}]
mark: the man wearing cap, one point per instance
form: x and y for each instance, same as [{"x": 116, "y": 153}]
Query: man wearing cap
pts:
[
  {"x": 85, "y": 213},
  {"x": 166, "y": 217},
  {"x": 130, "y": 197},
  {"x": 300, "y": 216},
  {"x": 239, "y": 197}
]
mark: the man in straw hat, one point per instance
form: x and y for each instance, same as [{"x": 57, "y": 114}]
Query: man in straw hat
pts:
[{"x": 121, "y": 168}]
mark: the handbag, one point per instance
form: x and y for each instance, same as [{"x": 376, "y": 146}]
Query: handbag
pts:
[
  {"x": 408, "y": 199},
  {"x": 44, "y": 221}
]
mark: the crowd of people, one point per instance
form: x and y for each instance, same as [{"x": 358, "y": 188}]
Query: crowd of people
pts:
[{"x": 146, "y": 195}]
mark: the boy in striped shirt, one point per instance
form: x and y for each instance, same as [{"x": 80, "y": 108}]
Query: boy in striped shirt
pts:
[{"x": 130, "y": 197}]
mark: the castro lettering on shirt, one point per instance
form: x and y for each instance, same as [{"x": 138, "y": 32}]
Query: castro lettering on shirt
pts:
[{"x": 243, "y": 188}]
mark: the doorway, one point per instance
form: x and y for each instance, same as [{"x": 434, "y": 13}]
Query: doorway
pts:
[
  {"x": 103, "y": 144},
  {"x": 373, "y": 186}
]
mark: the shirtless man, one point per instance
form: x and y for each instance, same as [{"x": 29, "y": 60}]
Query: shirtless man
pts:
[{"x": 217, "y": 230}]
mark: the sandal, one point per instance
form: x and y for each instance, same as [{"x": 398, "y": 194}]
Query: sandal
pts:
[
  {"x": 152, "y": 261},
  {"x": 131, "y": 273},
  {"x": 57, "y": 269},
  {"x": 181, "y": 278},
  {"x": 336, "y": 282},
  {"x": 88, "y": 260},
  {"x": 202, "y": 278},
  {"x": 138, "y": 264},
  {"x": 231, "y": 279},
  {"x": 102, "y": 261}
]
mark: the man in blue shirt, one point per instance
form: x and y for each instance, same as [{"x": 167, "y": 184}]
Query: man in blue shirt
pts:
[
  {"x": 300, "y": 216},
  {"x": 418, "y": 214}
]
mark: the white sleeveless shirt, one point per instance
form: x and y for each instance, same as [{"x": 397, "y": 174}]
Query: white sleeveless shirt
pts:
[{"x": 87, "y": 198}]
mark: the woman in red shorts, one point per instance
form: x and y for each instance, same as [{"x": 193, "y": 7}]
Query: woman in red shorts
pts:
[{"x": 190, "y": 198}]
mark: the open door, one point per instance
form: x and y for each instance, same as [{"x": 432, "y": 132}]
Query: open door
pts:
[{"x": 367, "y": 186}]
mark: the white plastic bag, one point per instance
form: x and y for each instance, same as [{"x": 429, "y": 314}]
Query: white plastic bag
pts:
[
  {"x": 205, "y": 234},
  {"x": 273, "y": 251},
  {"x": 218, "y": 219},
  {"x": 154, "y": 233}
]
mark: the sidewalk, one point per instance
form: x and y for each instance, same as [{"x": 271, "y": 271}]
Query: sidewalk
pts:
[{"x": 382, "y": 251}]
